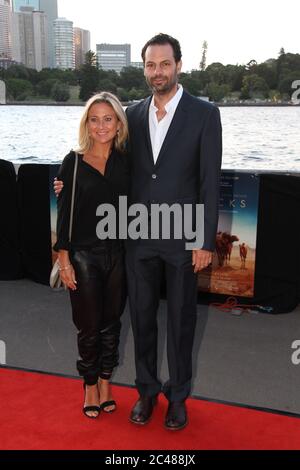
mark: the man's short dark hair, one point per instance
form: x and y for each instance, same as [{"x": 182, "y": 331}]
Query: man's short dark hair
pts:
[{"x": 162, "y": 39}]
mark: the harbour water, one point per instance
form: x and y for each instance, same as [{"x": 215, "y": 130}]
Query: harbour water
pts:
[{"x": 254, "y": 138}]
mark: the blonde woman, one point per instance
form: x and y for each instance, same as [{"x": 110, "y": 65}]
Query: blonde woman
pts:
[{"x": 93, "y": 269}]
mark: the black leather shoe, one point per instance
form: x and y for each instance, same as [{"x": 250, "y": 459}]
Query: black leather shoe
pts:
[
  {"x": 142, "y": 410},
  {"x": 176, "y": 417}
]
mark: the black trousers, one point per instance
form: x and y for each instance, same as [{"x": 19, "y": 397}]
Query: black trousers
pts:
[
  {"x": 97, "y": 306},
  {"x": 145, "y": 263}
]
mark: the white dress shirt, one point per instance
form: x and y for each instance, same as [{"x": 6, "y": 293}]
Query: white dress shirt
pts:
[{"x": 158, "y": 130}]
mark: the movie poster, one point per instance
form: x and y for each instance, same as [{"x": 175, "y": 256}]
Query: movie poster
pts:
[
  {"x": 233, "y": 268},
  {"x": 53, "y": 210}
]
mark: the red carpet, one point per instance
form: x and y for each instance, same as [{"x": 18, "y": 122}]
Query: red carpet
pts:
[{"x": 43, "y": 412}]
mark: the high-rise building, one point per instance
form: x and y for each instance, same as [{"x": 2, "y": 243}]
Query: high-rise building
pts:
[
  {"x": 82, "y": 41},
  {"x": 41, "y": 43},
  {"x": 17, "y": 4},
  {"x": 49, "y": 7},
  {"x": 16, "y": 45},
  {"x": 5, "y": 29},
  {"x": 64, "y": 51},
  {"x": 113, "y": 56},
  {"x": 30, "y": 38}
]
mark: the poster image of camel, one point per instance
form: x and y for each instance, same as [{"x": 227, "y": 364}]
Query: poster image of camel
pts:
[{"x": 233, "y": 267}]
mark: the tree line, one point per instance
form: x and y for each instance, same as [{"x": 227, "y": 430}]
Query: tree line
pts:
[{"x": 269, "y": 80}]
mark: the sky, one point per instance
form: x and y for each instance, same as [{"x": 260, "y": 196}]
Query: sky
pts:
[{"x": 236, "y": 31}]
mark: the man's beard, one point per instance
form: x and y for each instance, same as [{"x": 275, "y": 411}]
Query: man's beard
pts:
[{"x": 165, "y": 87}]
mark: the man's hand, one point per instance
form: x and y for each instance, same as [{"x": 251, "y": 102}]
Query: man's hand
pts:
[
  {"x": 201, "y": 259},
  {"x": 57, "y": 186}
]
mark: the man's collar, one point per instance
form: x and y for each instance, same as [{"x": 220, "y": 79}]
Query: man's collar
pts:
[{"x": 173, "y": 101}]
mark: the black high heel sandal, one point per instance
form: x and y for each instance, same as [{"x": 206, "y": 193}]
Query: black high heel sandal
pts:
[
  {"x": 108, "y": 403},
  {"x": 88, "y": 408}
]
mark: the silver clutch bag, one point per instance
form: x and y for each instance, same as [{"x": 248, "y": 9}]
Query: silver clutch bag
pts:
[{"x": 55, "y": 280}]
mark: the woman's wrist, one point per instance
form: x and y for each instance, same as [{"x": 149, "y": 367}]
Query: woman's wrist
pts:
[
  {"x": 63, "y": 260},
  {"x": 64, "y": 268}
]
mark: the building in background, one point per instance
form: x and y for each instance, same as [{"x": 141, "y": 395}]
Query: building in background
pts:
[
  {"x": 6, "y": 63},
  {"x": 113, "y": 56},
  {"x": 138, "y": 65},
  {"x": 49, "y": 7},
  {"x": 64, "y": 51},
  {"x": 30, "y": 38},
  {"x": 17, "y": 4},
  {"x": 16, "y": 47},
  {"x": 82, "y": 43},
  {"x": 5, "y": 29}
]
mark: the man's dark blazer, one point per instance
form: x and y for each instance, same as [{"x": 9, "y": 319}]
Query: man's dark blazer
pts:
[{"x": 188, "y": 166}]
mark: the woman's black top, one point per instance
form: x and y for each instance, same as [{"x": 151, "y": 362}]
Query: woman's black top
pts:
[{"x": 92, "y": 189}]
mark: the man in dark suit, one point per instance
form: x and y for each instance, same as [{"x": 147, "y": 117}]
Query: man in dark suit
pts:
[{"x": 175, "y": 149}]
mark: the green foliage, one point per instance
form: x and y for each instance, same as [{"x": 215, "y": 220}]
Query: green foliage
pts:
[
  {"x": 234, "y": 75},
  {"x": 44, "y": 87},
  {"x": 109, "y": 75},
  {"x": 60, "y": 92},
  {"x": 18, "y": 71},
  {"x": 254, "y": 86},
  {"x": 193, "y": 84},
  {"x": 216, "y": 92},
  {"x": 216, "y": 73},
  {"x": 122, "y": 94},
  {"x": 54, "y": 74},
  {"x": 91, "y": 59},
  {"x": 267, "y": 71},
  {"x": 270, "y": 79},
  {"x": 132, "y": 77},
  {"x": 107, "y": 85},
  {"x": 89, "y": 77},
  {"x": 18, "y": 89},
  {"x": 135, "y": 94},
  {"x": 203, "y": 58}
]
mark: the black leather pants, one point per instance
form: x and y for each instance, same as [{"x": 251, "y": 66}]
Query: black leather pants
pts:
[{"x": 97, "y": 306}]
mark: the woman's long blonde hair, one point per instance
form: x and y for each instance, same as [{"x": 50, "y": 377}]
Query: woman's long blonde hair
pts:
[{"x": 85, "y": 142}]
